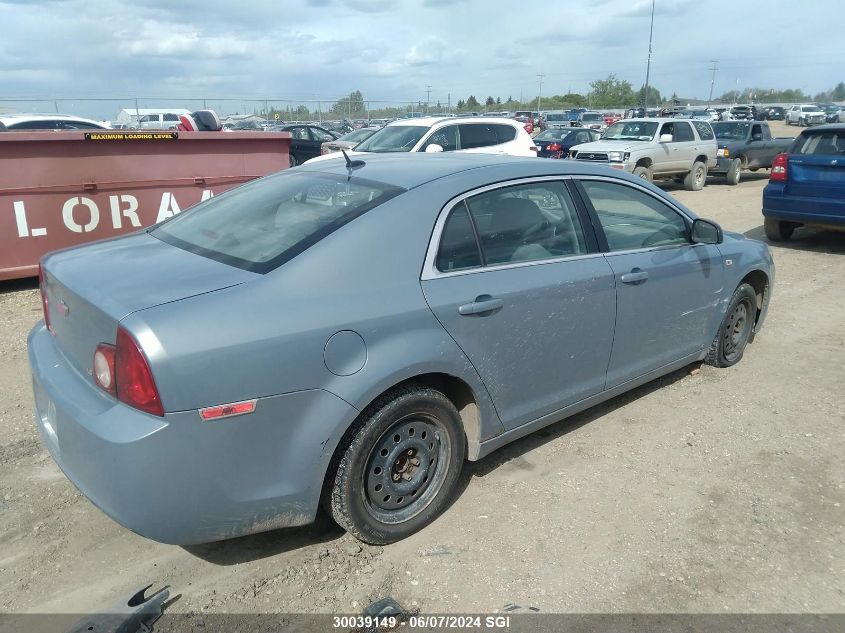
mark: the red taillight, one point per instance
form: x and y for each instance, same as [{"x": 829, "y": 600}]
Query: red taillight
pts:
[
  {"x": 103, "y": 368},
  {"x": 133, "y": 377},
  {"x": 553, "y": 147},
  {"x": 45, "y": 303},
  {"x": 779, "y": 168}
]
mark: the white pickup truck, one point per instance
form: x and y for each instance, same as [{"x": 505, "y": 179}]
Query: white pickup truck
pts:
[{"x": 654, "y": 149}]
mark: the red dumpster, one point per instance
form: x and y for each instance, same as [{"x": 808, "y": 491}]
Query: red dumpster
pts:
[{"x": 60, "y": 189}]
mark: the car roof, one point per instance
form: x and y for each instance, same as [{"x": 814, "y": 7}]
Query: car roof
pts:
[
  {"x": 429, "y": 121},
  {"x": 18, "y": 118},
  {"x": 409, "y": 170}
]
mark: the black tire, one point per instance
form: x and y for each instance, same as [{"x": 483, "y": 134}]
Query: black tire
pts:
[
  {"x": 641, "y": 171},
  {"x": 293, "y": 161},
  {"x": 695, "y": 179},
  {"x": 777, "y": 230},
  {"x": 802, "y": 122},
  {"x": 734, "y": 172},
  {"x": 736, "y": 328},
  {"x": 382, "y": 489}
]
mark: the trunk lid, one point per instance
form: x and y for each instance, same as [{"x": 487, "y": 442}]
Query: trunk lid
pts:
[
  {"x": 90, "y": 289},
  {"x": 816, "y": 176}
]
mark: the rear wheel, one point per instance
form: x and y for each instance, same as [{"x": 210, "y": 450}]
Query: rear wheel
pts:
[
  {"x": 777, "y": 230},
  {"x": 398, "y": 466},
  {"x": 728, "y": 346},
  {"x": 641, "y": 171},
  {"x": 694, "y": 180},
  {"x": 734, "y": 172}
]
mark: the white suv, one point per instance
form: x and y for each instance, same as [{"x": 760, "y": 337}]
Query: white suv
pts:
[
  {"x": 804, "y": 115},
  {"x": 480, "y": 135}
]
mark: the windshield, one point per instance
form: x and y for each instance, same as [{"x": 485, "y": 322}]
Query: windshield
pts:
[
  {"x": 393, "y": 138},
  {"x": 630, "y": 131},
  {"x": 268, "y": 221},
  {"x": 810, "y": 109},
  {"x": 555, "y": 117},
  {"x": 357, "y": 136},
  {"x": 591, "y": 117},
  {"x": 734, "y": 130}
]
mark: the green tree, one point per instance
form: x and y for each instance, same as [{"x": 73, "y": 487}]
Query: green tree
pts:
[
  {"x": 472, "y": 103},
  {"x": 461, "y": 104},
  {"x": 498, "y": 101},
  {"x": 838, "y": 93},
  {"x": 611, "y": 92},
  {"x": 349, "y": 106},
  {"x": 654, "y": 97},
  {"x": 490, "y": 101}
]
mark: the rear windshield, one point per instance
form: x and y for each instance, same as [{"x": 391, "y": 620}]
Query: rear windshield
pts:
[
  {"x": 591, "y": 117},
  {"x": 393, "y": 138},
  {"x": 268, "y": 221},
  {"x": 731, "y": 130},
  {"x": 828, "y": 143},
  {"x": 556, "y": 117}
]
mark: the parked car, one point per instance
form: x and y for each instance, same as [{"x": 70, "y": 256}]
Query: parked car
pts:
[
  {"x": 556, "y": 120},
  {"x": 352, "y": 335},
  {"x": 743, "y": 113},
  {"x": 161, "y": 120},
  {"x": 611, "y": 118},
  {"x": 807, "y": 184},
  {"x": 37, "y": 122},
  {"x": 556, "y": 143},
  {"x": 831, "y": 112},
  {"x": 745, "y": 145},
  {"x": 306, "y": 141},
  {"x": 591, "y": 120},
  {"x": 496, "y": 135},
  {"x": 775, "y": 113},
  {"x": 635, "y": 113},
  {"x": 348, "y": 141},
  {"x": 573, "y": 114},
  {"x": 804, "y": 115},
  {"x": 527, "y": 123},
  {"x": 656, "y": 148}
]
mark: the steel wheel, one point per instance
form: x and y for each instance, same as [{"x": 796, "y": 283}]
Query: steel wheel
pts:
[
  {"x": 737, "y": 330},
  {"x": 406, "y": 469}
]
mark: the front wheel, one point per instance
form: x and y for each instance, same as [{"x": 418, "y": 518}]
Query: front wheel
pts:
[
  {"x": 398, "y": 466},
  {"x": 734, "y": 332},
  {"x": 694, "y": 180},
  {"x": 641, "y": 171},
  {"x": 734, "y": 172},
  {"x": 777, "y": 230}
]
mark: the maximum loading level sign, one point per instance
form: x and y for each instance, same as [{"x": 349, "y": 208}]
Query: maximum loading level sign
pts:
[{"x": 131, "y": 136}]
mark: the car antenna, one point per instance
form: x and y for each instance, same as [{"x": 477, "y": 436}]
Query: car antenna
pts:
[{"x": 352, "y": 164}]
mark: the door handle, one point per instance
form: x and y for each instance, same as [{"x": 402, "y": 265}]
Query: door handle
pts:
[
  {"x": 634, "y": 277},
  {"x": 484, "y": 304}
]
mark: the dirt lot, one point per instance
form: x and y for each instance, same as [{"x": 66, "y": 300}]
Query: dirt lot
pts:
[{"x": 716, "y": 491}]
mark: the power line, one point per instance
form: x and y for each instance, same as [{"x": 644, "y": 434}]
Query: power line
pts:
[{"x": 648, "y": 63}]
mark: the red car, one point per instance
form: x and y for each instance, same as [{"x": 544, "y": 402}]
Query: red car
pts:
[
  {"x": 528, "y": 121},
  {"x": 610, "y": 119}
]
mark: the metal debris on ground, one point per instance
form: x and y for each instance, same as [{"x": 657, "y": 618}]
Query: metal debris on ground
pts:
[{"x": 136, "y": 615}]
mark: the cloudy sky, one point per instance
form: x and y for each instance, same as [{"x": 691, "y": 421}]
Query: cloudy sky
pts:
[{"x": 392, "y": 50}]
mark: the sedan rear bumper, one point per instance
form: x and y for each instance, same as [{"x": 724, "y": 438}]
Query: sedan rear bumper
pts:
[{"x": 179, "y": 479}]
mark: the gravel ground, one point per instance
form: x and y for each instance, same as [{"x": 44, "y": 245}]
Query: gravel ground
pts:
[{"x": 705, "y": 491}]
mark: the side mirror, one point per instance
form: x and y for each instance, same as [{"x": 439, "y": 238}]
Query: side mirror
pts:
[
  {"x": 666, "y": 138},
  {"x": 706, "y": 232},
  {"x": 433, "y": 148}
]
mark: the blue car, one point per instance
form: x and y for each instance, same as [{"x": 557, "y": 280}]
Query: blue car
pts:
[
  {"x": 348, "y": 334},
  {"x": 807, "y": 184}
]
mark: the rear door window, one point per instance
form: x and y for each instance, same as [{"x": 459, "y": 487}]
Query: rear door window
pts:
[
  {"x": 446, "y": 137},
  {"x": 683, "y": 132},
  {"x": 505, "y": 133},
  {"x": 705, "y": 132},
  {"x": 458, "y": 246},
  {"x": 475, "y": 135}
]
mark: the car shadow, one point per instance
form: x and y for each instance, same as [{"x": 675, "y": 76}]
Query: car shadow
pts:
[
  {"x": 557, "y": 430},
  {"x": 16, "y": 285},
  {"x": 805, "y": 239},
  {"x": 719, "y": 181},
  {"x": 324, "y": 530},
  {"x": 254, "y": 547}
]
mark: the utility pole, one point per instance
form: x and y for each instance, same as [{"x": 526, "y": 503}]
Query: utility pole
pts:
[
  {"x": 539, "y": 91},
  {"x": 449, "y": 102},
  {"x": 648, "y": 63},
  {"x": 712, "y": 80},
  {"x": 427, "y": 97}
]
